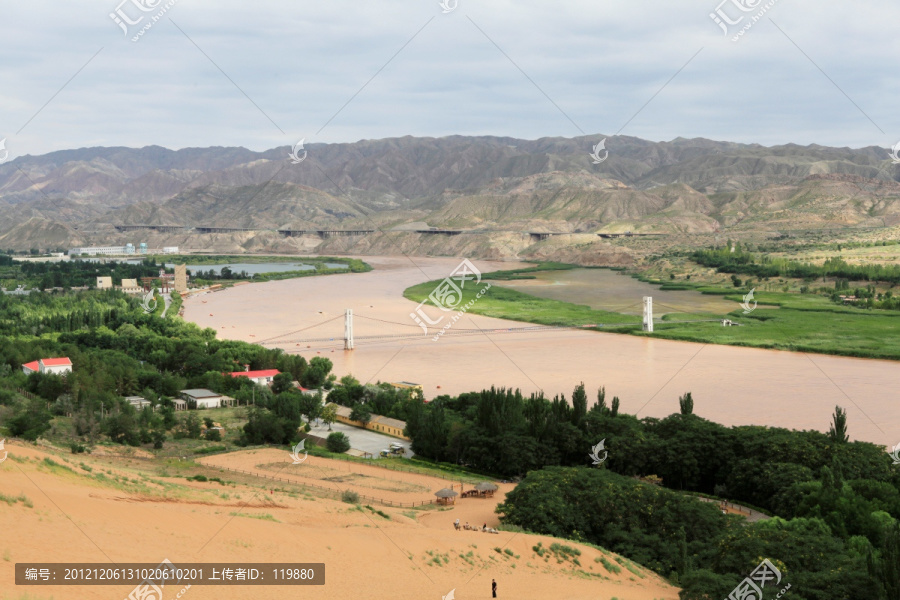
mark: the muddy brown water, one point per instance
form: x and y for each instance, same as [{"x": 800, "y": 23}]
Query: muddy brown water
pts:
[{"x": 730, "y": 385}]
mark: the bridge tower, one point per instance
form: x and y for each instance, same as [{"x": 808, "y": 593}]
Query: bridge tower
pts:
[
  {"x": 348, "y": 329},
  {"x": 648, "y": 314}
]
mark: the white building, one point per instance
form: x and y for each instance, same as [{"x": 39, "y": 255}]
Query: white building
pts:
[
  {"x": 101, "y": 250},
  {"x": 259, "y": 377},
  {"x": 170, "y": 250},
  {"x": 127, "y": 249},
  {"x": 57, "y": 366},
  {"x": 138, "y": 402},
  {"x": 204, "y": 398}
]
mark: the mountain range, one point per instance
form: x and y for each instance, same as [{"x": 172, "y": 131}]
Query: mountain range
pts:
[{"x": 495, "y": 188}]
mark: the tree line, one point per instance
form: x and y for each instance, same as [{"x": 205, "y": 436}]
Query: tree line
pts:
[{"x": 761, "y": 266}]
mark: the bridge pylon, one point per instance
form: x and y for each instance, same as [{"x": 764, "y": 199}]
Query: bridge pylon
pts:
[
  {"x": 648, "y": 314},
  {"x": 348, "y": 329}
]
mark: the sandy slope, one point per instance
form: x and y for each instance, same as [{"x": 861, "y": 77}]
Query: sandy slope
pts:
[{"x": 75, "y": 517}]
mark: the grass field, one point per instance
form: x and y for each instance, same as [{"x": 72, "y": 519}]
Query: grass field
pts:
[{"x": 784, "y": 321}]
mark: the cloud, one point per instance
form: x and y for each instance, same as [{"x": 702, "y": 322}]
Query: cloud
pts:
[{"x": 267, "y": 73}]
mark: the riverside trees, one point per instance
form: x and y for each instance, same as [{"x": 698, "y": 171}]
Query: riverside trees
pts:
[{"x": 118, "y": 350}]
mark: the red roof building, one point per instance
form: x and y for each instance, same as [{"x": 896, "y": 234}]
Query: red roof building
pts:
[
  {"x": 57, "y": 366},
  {"x": 264, "y": 377}
]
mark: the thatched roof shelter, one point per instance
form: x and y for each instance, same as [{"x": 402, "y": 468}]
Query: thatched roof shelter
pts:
[
  {"x": 486, "y": 486},
  {"x": 446, "y": 496}
]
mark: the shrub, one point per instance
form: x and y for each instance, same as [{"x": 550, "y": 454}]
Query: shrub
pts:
[
  {"x": 337, "y": 442},
  {"x": 213, "y": 435},
  {"x": 350, "y": 497},
  {"x": 159, "y": 437},
  {"x": 77, "y": 448}
]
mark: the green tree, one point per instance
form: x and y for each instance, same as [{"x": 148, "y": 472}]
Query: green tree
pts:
[
  {"x": 311, "y": 406},
  {"x": 337, "y": 442},
  {"x": 317, "y": 373},
  {"x": 282, "y": 382},
  {"x": 30, "y": 422},
  {"x": 122, "y": 427},
  {"x": 159, "y": 437},
  {"x": 361, "y": 413},
  {"x": 686, "y": 404},
  {"x": 883, "y": 565},
  {"x": 329, "y": 414},
  {"x": 579, "y": 405},
  {"x": 191, "y": 425},
  {"x": 838, "y": 431}
]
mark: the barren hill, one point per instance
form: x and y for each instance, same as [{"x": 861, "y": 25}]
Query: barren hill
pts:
[{"x": 497, "y": 186}]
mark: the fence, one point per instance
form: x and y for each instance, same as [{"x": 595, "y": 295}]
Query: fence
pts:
[
  {"x": 28, "y": 395},
  {"x": 384, "y": 465},
  {"x": 743, "y": 510},
  {"x": 381, "y": 501}
]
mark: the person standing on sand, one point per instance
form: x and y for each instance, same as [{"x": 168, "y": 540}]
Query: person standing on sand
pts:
[{"x": 493, "y": 588}]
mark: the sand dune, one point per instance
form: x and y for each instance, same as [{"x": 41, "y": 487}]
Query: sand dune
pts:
[{"x": 77, "y": 517}]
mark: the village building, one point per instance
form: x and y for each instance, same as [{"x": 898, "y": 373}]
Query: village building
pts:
[
  {"x": 138, "y": 402},
  {"x": 385, "y": 425},
  {"x": 407, "y": 385},
  {"x": 204, "y": 398},
  {"x": 131, "y": 286},
  {"x": 264, "y": 377},
  {"x": 56, "y": 366}
]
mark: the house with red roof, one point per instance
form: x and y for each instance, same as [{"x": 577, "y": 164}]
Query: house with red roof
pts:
[
  {"x": 56, "y": 366},
  {"x": 264, "y": 377}
]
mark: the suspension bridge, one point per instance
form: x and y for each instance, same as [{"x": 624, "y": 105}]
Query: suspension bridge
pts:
[{"x": 349, "y": 329}]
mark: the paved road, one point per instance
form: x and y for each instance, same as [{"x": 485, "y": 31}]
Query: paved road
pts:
[
  {"x": 167, "y": 299},
  {"x": 362, "y": 439}
]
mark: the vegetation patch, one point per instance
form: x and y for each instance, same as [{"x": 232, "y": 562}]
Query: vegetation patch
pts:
[{"x": 10, "y": 500}]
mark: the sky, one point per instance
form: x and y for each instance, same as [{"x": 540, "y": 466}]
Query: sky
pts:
[{"x": 269, "y": 73}]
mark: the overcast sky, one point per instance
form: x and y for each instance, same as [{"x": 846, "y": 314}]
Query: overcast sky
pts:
[{"x": 266, "y": 73}]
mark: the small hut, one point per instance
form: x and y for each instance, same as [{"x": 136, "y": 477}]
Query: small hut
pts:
[
  {"x": 446, "y": 496},
  {"x": 486, "y": 488}
]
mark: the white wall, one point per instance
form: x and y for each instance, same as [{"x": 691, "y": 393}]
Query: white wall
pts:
[{"x": 208, "y": 402}]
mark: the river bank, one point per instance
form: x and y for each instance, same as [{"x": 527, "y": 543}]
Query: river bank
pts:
[{"x": 732, "y": 385}]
